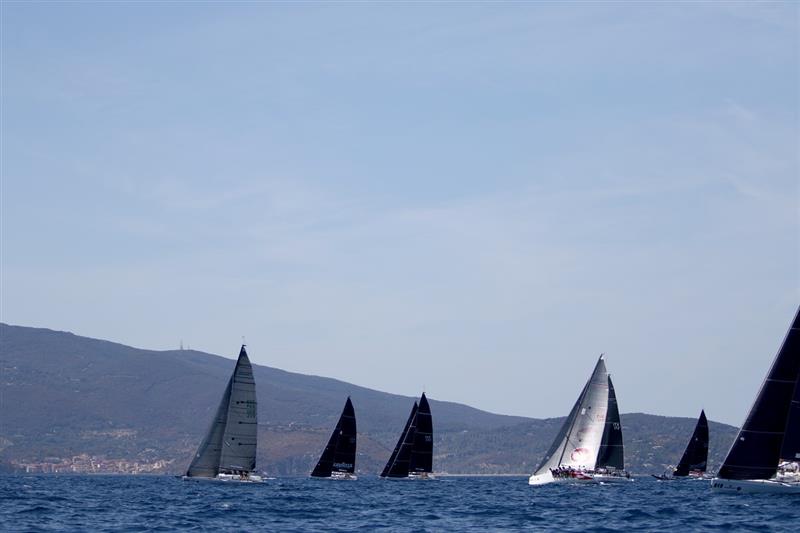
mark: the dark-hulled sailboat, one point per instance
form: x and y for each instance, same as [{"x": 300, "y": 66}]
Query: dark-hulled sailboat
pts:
[
  {"x": 338, "y": 460},
  {"x": 228, "y": 450},
  {"x": 412, "y": 457},
  {"x": 694, "y": 461},
  {"x": 772, "y": 429}
]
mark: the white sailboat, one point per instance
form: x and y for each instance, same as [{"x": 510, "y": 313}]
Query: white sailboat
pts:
[
  {"x": 573, "y": 455},
  {"x": 764, "y": 456},
  {"x": 228, "y": 451}
]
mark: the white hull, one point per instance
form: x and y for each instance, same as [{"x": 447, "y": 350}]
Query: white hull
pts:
[
  {"x": 226, "y": 478},
  {"x": 547, "y": 478},
  {"x": 605, "y": 478},
  {"x": 752, "y": 486},
  {"x": 341, "y": 476},
  {"x": 413, "y": 476}
]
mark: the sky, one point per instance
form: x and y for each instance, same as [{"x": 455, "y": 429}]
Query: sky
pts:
[{"x": 471, "y": 198}]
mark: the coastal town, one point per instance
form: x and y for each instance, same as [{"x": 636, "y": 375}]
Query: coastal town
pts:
[{"x": 90, "y": 464}]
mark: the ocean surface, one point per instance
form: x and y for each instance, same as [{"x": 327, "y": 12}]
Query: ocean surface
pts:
[{"x": 161, "y": 503}]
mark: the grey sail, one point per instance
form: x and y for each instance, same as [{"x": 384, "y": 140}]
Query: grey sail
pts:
[
  {"x": 240, "y": 437},
  {"x": 578, "y": 443},
  {"x": 612, "y": 450},
  {"x": 206, "y": 460},
  {"x": 230, "y": 442}
]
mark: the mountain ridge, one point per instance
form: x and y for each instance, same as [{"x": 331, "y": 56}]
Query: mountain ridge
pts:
[{"x": 66, "y": 395}]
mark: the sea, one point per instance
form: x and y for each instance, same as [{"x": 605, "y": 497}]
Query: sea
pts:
[{"x": 463, "y": 504}]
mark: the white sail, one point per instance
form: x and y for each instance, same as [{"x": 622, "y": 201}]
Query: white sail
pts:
[{"x": 578, "y": 443}]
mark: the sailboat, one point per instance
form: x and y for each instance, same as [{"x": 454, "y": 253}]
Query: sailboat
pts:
[
  {"x": 573, "y": 455},
  {"x": 412, "y": 457},
  {"x": 695, "y": 458},
  {"x": 338, "y": 460},
  {"x": 228, "y": 450},
  {"x": 770, "y": 437},
  {"x": 610, "y": 464}
]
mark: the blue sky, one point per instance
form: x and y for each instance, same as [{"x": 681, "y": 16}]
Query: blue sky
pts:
[{"x": 474, "y": 198}]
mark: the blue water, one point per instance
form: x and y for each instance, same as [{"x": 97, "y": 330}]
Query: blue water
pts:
[{"x": 138, "y": 503}]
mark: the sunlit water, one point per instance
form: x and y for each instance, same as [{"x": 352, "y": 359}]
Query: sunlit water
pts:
[{"x": 137, "y": 503}]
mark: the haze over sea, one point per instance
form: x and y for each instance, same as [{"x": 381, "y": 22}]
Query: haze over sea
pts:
[{"x": 138, "y": 503}]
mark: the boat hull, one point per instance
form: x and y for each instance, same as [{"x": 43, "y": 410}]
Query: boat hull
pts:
[
  {"x": 547, "y": 478},
  {"x": 754, "y": 486},
  {"x": 417, "y": 476},
  {"x": 342, "y": 476},
  {"x": 226, "y": 478},
  {"x": 604, "y": 478}
]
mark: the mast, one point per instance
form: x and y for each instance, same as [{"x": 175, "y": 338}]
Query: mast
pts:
[
  {"x": 756, "y": 451},
  {"x": 695, "y": 457}
]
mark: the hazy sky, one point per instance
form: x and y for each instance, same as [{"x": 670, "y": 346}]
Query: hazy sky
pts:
[{"x": 476, "y": 198}]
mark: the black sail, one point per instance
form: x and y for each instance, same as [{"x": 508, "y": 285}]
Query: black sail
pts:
[
  {"x": 695, "y": 457},
  {"x": 422, "y": 452},
  {"x": 756, "y": 451},
  {"x": 397, "y": 466},
  {"x": 612, "y": 450},
  {"x": 340, "y": 452},
  {"x": 790, "y": 451},
  {"x": 241, "y": 430},
  {"x": 230, "y": 442}
]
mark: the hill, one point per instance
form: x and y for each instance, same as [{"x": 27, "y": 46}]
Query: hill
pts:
[{"x": 72, "y": 403}]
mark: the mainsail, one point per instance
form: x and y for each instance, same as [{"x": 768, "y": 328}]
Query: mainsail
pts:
[
  {"x": 578, "y": 442},
  {"x": 340, "y": 453},
  {"x": 612, "y": 451},
  {"x": 757, "y": 449},
  {"x": 398, "y": 463},
  {"x": 422, "y": 451},
  {"x": 695, "y": 457},
  {"x": 230, "y": 442}
]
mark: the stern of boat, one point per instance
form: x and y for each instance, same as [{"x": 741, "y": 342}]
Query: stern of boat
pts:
[{"x": 541, "y": 479}]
